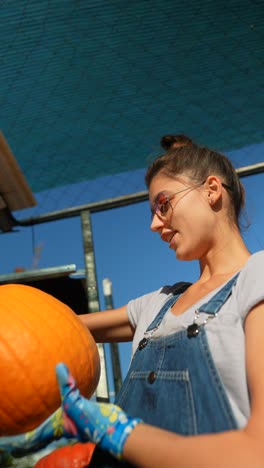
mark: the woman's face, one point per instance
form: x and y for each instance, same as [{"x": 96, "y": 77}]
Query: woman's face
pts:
[{"x": 182, "y": 215}]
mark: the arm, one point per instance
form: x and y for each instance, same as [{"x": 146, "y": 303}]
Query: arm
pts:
[
  {"x": 151, "y": 447},
  {"x": 146, "y": 446},
  {"x": 109, "y": 326}
]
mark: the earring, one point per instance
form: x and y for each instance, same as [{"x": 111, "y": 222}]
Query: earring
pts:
[{"x": 211, "y": 201}]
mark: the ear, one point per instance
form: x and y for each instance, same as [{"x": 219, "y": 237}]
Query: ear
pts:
[{"x": 214, "y": 189}]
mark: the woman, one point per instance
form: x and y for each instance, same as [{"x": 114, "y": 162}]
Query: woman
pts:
[{"x": 196, "y": 378}]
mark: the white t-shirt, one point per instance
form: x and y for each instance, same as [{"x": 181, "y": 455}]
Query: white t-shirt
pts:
[{"x": 225, "y": 333}]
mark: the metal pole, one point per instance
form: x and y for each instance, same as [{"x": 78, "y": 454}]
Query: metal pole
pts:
[
  {"x": 102, "y": 391},
  {"x": 116, "y": 202},
  {"x": 111, "y": 203},
  {"x": 116, "y": 367}
]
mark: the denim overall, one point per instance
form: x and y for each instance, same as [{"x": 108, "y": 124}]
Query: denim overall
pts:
[{"x": 173, "y": 383}]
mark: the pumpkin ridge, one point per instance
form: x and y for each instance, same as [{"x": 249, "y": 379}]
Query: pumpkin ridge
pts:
[
  {"x": 37, "y": 332},
  {"x": 45, "y": 319},
  {"x": 56, "y": 304},
  {"x": 26, "y": 374},
  {"x": 9, "y": 417},
  {"x": 72, "y": 318},
  {"x": 61, "y": 314}
]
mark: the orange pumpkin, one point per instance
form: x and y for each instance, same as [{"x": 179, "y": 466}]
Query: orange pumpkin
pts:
[
  {"x": 38, "y": 331},
  {"x": 76, "y": 456}
]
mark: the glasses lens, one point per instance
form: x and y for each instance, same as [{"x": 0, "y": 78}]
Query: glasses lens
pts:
[{"x": 161, "y": 205}]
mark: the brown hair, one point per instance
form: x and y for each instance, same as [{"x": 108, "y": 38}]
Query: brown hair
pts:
[
  {"x": 198, "y": 163},
  {"x": 167, "y": 141}
]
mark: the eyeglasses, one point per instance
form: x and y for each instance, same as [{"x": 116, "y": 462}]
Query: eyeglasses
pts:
[{"x": 162, "y": 202}]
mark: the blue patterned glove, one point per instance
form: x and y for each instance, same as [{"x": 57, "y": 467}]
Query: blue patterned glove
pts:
[
  {"x": 104, "y": 424},
  {"x": 56, "y": 426},
  {"x": 79, "y": 419}
]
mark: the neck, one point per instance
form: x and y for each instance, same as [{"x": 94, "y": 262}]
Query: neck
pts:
[{"x": 225, "y": 259}]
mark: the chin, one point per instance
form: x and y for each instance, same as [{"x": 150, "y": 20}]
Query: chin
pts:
[
  {"x": 180, "y": 256},
  {"x": 184, "y": 256}
]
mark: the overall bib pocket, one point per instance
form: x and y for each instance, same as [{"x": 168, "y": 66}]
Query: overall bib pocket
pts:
[{"x": 147, "y": 393}]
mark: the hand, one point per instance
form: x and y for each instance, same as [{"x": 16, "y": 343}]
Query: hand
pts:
[
  {"x": 104, "y": 424},
  {"x": 56, "y": 426},
  {"x": 78, "y": 418}
]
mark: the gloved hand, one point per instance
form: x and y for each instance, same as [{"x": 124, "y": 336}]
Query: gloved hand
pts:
[
  {"x": 56, "y": 426},
  {"x": 78, "y": 418},
  {"x": 104, "y": 424}
]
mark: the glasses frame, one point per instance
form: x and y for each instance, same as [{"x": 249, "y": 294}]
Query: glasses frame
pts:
[{"x": 155, "y": 208}]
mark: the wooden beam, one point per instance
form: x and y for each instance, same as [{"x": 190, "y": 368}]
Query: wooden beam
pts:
[{"x": 15, "y": 193}]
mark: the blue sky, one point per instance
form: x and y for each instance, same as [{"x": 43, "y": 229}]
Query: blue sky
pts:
[{"x": 126, "y": 251}]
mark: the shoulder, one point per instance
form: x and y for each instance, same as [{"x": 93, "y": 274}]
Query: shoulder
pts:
[
  {"x": 253, "y": 269},
  {"x": 249, "y": 289},
  {"x": 254, "y": 260},
  {"x": 146, "y": 307}
]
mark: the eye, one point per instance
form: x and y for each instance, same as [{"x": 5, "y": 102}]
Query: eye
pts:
[
  {"x": 164, "y": 207},
  {"x": 162, "y": 203}
]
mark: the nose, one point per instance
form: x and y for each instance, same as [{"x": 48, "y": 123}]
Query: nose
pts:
[{"x": 156, "y": 223}]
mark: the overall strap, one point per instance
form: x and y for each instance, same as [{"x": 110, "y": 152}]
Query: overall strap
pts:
[
  {"x": 177, "y": 289},
  {"x": 211, "y": 307},
  {"x": 215, "y": 303}
]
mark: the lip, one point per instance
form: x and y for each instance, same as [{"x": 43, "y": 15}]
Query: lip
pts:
[
  {"x": 172, "y": 237},
  {"x": 168, "y": 236}
]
